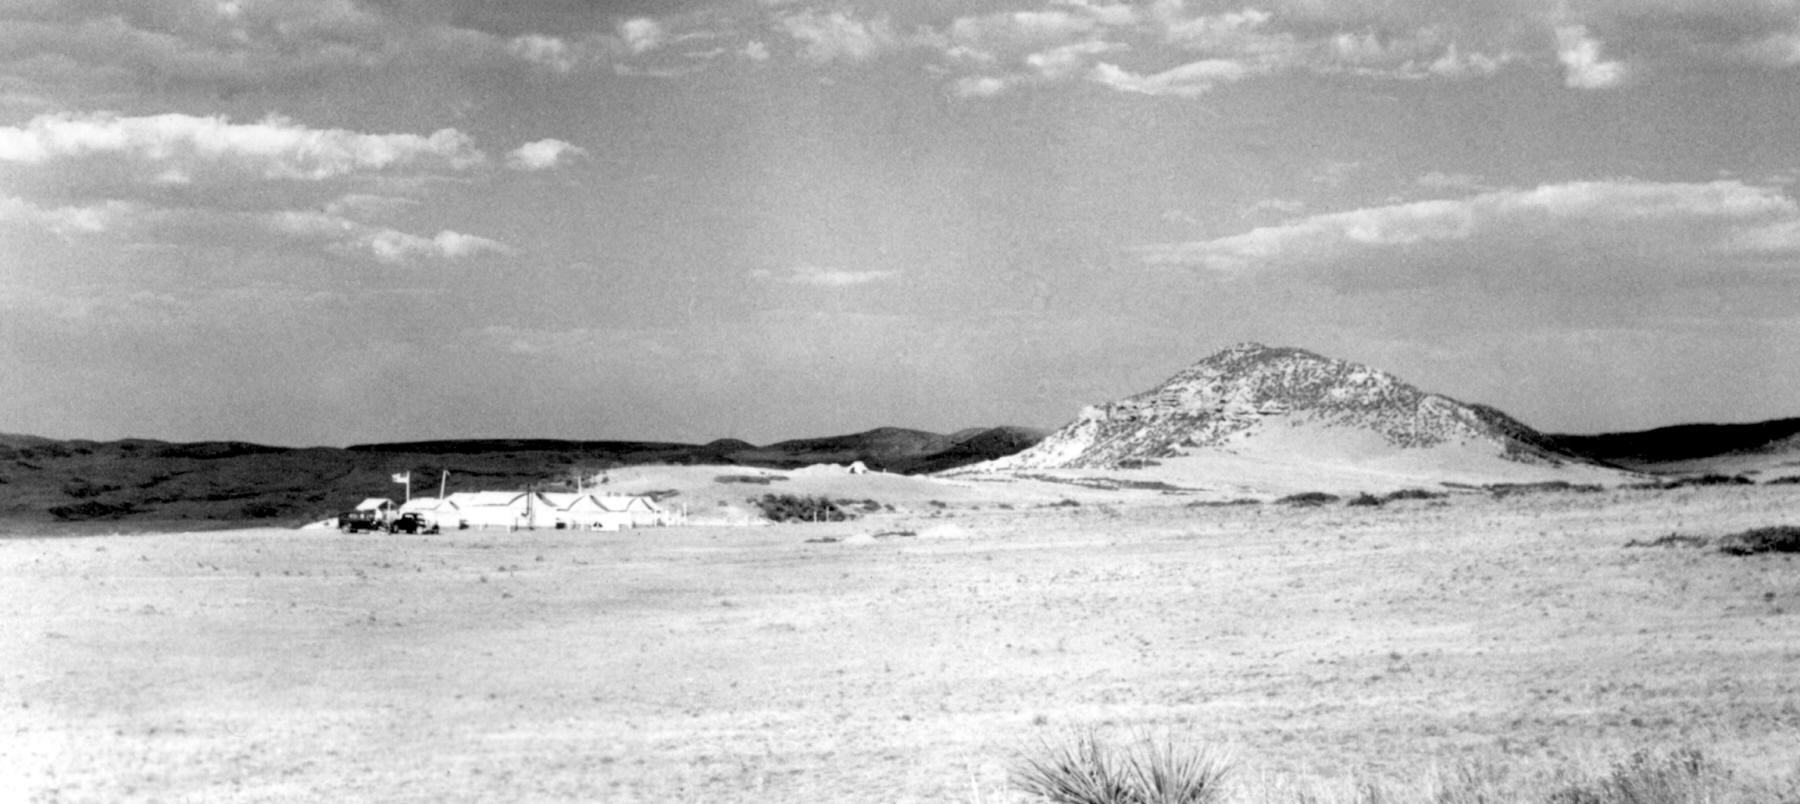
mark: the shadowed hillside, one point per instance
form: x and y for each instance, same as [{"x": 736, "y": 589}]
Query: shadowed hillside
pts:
[{"x": 139, "y": 484}]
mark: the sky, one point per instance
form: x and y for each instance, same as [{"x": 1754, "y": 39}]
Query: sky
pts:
[{"x": 326, "y": 222}]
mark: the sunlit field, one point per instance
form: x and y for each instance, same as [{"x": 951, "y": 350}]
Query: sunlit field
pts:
[{"x": 1327, "y": 651}]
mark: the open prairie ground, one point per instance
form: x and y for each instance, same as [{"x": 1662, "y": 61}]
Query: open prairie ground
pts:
[{"x": 755, "y": 664}]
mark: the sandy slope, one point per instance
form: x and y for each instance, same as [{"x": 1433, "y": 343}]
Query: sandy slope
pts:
[{"x": 750, "y": 664}]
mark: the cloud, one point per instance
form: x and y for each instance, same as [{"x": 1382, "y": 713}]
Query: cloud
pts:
[
  {"x": 542, "y": 155},
  {"x": 394, "y": 247},
  {"x": 549, "y": 52},
  {"x": 1188, "y": 80},
  {"x": 68, "y": 219},
  {"x": 1580, "y": 57},
  {"x": 642, "y": 35},
  {"x": 837, "y": 35},
  {"x": 1708, "y": 224},
  {"x": 816, "y": 276},
  {"x": 275, "y": 148}
]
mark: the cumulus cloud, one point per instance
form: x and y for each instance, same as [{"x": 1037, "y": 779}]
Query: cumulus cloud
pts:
[
  {"x": 816, "y": 276},
  {"x": 542, "y": 155},
  {"x": 395, "y": 247},
  {"x": 837, "y": 35},
  {"x": 1188, "y": 80},
  {"x": 344, "y": 235},
  {"x": 276, "y": 147},
  {"x": 549, "y": 52},
  {"x": 1722, "y": 219},
  {"x": 67, "y": 219},
  {"x": 1580, "y": 57},
  {"x": 642, "y": 35}
]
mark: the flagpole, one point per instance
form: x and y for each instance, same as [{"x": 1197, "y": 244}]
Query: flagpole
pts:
[{"x": 441, "y": 481}]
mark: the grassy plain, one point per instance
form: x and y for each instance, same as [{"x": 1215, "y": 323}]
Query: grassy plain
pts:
[{"x": 1320, "y": 646}]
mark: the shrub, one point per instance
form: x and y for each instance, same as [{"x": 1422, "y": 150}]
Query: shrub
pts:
[
  {"x": 1716, "y": 480},
  {"x": 1085, "y": 769},
  {"x": 754, "y": 480},
  {"x": 1775, "y": 539},
  {"x": 796, "y": 508},
  {"x": 1308, "y": 499},
  {"x": 259, "y": 510},
  {"x": 91, "y": 509},
  {"x": 1224, "y": 503},
  {"x": 1138, "y": 463},
  {"x": 1671, "y": 540},
  {"x": 1783, "y": 480},
  {"x": 1414, "y": 494},
  {"x": 1366, "y": 499}
]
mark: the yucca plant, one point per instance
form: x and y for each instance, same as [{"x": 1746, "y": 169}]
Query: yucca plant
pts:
[{"x": 1086, "y": 769}]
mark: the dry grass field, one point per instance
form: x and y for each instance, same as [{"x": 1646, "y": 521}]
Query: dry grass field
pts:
[{"x": 1320, "y": 646}]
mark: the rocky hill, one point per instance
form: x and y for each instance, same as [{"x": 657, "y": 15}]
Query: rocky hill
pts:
[{"x": 1238, "y": 393}]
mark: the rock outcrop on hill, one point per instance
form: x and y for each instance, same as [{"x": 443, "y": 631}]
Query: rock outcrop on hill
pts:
[{"x": 1232, "y": 396}]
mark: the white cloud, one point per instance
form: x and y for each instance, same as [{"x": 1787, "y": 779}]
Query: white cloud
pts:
[
  {"x": 69, "y": 219},
  {"x": 756, "y": 51},
  {"x": 394, "y": 247},
  {"x": 1580, "y": 57},
  {"x": 549, "y": 52},
  {"x": 542, "y": 155},
  {"x": 642, "y": 35},
  {"x": 1721, "y": 220},
  {"x": 837, "y": 35},
  {"x": 276, "y": 147},
  {"x": 1068, "y": 60},
  {"x": 1188, "y": 80},
  {"x": 822, "y": 277}
]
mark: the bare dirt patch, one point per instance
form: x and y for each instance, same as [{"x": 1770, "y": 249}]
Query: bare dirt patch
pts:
[{"x": 756, "y": 664}]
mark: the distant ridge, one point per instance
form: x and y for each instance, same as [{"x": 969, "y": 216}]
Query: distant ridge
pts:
[{"x": 1242, "y": 391}]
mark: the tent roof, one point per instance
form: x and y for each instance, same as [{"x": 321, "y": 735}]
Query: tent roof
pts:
[
  {"x": 468, "y": 499},
  {"x": 375, "y": 504}
]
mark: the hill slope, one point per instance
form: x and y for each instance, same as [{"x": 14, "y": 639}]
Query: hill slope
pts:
[
  {"x": 1235, "y": 395},
  {"x": 1265, "y": 417}
]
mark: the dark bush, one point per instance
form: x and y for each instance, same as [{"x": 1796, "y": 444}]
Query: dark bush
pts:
[
  {"x": 1716, "y": 480},
  {"x": 91, "y": 509},
  {"x": 1414, "y": 494},
  {"x": 1671, "y": 540},
  {"x": 259, "y": 510},
  {"x": 1138, "y": 463},
  {"x": 82, "y": 489},
  {"x": 1366, "y": 499},
  {"x": 1784, "y": 480},
  {"x": 754, "y": 480},
  {"x": 1307, "y": 499},
  {"x": 1775, "y": 539},
  {"x": 1224, "y": 503},
  {"x": 796, "y": 508}
]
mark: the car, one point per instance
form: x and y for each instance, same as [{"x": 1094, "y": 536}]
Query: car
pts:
[
  {"x": 412, "y": 523},
  {"x": 357, "y": 521}
]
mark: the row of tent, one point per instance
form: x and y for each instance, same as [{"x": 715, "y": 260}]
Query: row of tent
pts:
[{"x": 528, "y": 510}]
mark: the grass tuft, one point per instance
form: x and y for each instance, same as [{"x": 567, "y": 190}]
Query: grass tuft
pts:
[
  {"x": 1086, "y": 769},
  {"x": 1682, "y": 776}
]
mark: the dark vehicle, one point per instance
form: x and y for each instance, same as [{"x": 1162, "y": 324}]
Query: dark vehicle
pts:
[
  {"x": 357, "y": 521},
  {"x": 412, "y": 523}
]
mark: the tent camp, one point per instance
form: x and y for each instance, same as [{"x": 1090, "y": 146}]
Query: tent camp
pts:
[{"x": 485, "y": 510}]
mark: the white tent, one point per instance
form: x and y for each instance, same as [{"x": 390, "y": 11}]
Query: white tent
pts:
[{"x": 492, "y": 509}]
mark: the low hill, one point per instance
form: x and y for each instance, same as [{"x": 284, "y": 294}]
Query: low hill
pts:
[
  {"x": 1268, "y": 418},
  {"x": 1757, "y": 447}
]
